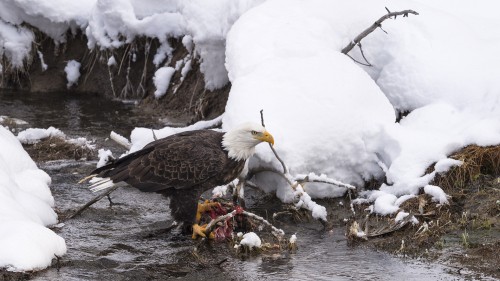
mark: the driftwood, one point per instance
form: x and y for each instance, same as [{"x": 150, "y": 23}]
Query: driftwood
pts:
[
  {"x": 93, "y": 201},
  {"x": 373, "y": 27}
]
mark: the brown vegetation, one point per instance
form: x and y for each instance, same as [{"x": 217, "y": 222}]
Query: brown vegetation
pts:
[{"x": 55, "y": 148}]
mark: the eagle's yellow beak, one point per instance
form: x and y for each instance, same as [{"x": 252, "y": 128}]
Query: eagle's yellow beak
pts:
[{"x": 267, "y": 137}]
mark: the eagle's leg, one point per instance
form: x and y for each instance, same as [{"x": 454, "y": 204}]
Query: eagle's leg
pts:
[
  {"x": 185, "y": 208},
  {"x": 200, "y": 230}
]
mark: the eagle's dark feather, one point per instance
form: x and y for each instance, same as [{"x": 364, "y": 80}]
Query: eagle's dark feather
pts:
[{"x": 181, "y": 166}]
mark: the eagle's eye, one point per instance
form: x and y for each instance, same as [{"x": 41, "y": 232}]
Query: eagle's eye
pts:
[{"x": 254, "y": 133}]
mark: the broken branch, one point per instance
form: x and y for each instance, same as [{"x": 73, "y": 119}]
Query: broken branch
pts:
[
  {"x": 213, "y": 223},
  {"x": 285, "y": 169},
  {"x": 375, "y": 25},
  {"x": 93, "y": 201}
]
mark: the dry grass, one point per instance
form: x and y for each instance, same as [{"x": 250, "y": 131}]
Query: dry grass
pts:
[
  {"x": 56, "y": 148},
  {"x": 477, "y": 161}
]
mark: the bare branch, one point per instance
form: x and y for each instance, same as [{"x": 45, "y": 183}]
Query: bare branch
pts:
[
  {"x": 93, "y": 201},
  {"x": 213, "y": 223},
  {"x": 322, "y": 179},
  {"x": 363, "y": 54},
  {"x": 377, "y": 24},
  {"x": 154, "y": 135},
  {"x": 285, "y": 169}
]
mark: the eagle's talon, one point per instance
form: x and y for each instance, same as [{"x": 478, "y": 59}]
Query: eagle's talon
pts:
[
  {"x": 205, "y": 207},
  {"x": 200, "y": 231}
]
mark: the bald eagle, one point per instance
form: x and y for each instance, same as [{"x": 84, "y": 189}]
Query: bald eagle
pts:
[{"x": 184, "y": 165}]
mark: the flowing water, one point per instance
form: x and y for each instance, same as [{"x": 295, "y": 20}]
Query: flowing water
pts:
[{"x": 128, "y": 241}]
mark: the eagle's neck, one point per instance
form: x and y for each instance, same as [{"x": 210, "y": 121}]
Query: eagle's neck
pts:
[{"x": 238, "y": 147}]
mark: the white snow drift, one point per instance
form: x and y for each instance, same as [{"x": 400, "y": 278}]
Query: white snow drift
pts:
[{"x": 25, "y": 209}]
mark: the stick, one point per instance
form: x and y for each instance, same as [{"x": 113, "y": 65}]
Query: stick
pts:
[
  {"x": 213, "y": 223},
  {"x": 93, "y": 201},
  {"x": 323, "y": 179},
  {"x": 375, "y": 25},
  {"x": 285, "y": 169}
]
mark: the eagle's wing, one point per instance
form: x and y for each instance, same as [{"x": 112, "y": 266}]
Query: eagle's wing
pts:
[{"x": 181, "y": 161}]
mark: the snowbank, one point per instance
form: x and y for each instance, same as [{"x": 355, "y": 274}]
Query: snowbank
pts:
[
  {"x": 25, "y": 209},
  {"x": 329, "y": 117},
  {"x": 109, "y": 24},
  {"x": 283, "y": 57}
]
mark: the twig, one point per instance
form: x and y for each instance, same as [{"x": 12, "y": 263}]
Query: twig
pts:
[
  {"x": 154, "y": 135},
  {"x": 285, "y": 169},
  {"x": 276, "y": 231},
  {"x": 93, "y": 201},
  {"x": 377, "y": 24},
  {"x": 213, "y": 223},
  {"x": 322, "y": 179}
]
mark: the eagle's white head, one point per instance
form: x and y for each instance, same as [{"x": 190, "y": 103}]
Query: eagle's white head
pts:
[{"x": 240, "y": 142}]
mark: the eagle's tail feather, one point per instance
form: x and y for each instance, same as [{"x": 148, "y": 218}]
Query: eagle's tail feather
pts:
[{"x": 102, "y": 184}]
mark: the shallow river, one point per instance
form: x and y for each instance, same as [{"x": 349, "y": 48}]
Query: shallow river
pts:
[{"x": 126, "y": 242}]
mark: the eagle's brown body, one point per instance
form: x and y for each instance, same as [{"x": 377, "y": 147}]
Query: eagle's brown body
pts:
[{"x": 180, "y": 166}]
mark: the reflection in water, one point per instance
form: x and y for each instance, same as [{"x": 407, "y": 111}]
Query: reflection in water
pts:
[{"x": 73, "y": 114}]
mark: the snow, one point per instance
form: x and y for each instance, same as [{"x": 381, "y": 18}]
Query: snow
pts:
[
  {"x": 185, "y": 69},
  {"x": 251, "y": 240},
  {"x": 385, "y": 204},
  {"x": 15, "y": 42},
  {"x": 317, "y": 211},
  {"x": 104, "y": 156},
  {"x": 436, "y": 193},
  {"x": 34, "y": 135},
  {"x": 25, "y": 209},
  {"x": 219, "y": 191},
  {"x": 329, "y": 117},
  {"x": 111, "y": 61},
  {"x": 72, "y": 70},
  {"x": 401, "y": 215},
  {"x": 42, "y": 62},
  {"x": 187, "y": 41},
  {"x": 162, "y": 80}
]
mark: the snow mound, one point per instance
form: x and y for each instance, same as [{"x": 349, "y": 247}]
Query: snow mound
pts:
[
  {"x": 34, "y": 135},
  {"x": 25, "y": 209},
  {"x": 251, "y": 240}
]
